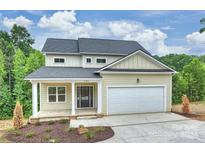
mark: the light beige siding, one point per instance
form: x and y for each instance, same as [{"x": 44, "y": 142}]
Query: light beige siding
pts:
[
  {"x": 137, "y": 61},
  {"x": 109, "y": 59},
  {"x": 126, "y": 80},
  {"x": 46, "y": 106},
  {"x": 70, "y": 60}
]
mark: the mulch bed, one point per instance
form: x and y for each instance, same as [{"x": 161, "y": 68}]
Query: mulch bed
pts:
[{"x": 58, "y": 132}]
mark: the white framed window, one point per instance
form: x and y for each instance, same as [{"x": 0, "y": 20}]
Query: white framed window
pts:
[
  {"x": 101, "y": 60},
  {"x": 56, "y": 94},
  {"x": 59, "y": 60},
  {"x": 88, "y": 60}
]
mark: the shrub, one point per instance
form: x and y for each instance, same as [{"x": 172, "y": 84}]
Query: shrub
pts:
[
  {"x": 63, "y": 121},
  {"x": 69, "y": 129},
  {"x": 89, "y": 135},
  {"x": 46, "y": 137},
  {"x": 30, "y": 134},
  {"x": 51, "y": 122},
  {"x": 37, "y": 123},
  {"x": 48, "y": 130},
  {"x": 18, "y": 116},
  {"x": 99, "y": 129}
]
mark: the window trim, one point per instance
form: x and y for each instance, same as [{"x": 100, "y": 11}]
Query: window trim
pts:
[
  {"x": 87, "y": 58},
  {"x": 56, "y": 102},
  {"x": 58, "y": 58},
  {"x": 101, "y": 58}
]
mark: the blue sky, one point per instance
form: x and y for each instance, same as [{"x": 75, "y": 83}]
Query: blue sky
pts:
[{"x": 160, "y": 32}]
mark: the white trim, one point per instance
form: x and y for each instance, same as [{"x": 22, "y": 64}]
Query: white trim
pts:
[
  {"x": 76, "y": 101},
  {"x": 86, "y": 60},
  {"x": 127, "y": 86},
  {"x": 138, "y": 51},
  {"x": 56, "y": 102},
  {"x": 64, "y": 79},
  {"x": 34, "y": 99},
  {"x": 104, "y": 54},
  {"x": 110, "y": 72},
  {"x": 60, "y": 53},
  {"x": 73, "y": 98},
  {"x": 99, "y": 90},
  {"x": 101, "y": 58}
]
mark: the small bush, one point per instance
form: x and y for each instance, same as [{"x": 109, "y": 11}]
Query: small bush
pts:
[
  {"x": 63, "y": 121},
  {"x": 30, "y": 134},
  {"x": 46, "y": 137},
  {"x": 69, "y": 129},
  {"x": 18, "y": 116},
  {"x": 16, "y": 132},
  {"x": 89, "y": 135},
  {"x": 81, "y": 126},
  {"x": 99, "y": 129},
  {"x": 37, "y": 124},
  {"x": 48, "y": 130},
  {"x": 51, "y": 122}
]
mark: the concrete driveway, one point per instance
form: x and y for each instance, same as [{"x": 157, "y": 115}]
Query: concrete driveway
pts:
[{"x": 155, "y": 127}]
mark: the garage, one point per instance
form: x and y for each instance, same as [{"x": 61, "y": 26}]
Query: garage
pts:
[{"x": 141, "y": 99}]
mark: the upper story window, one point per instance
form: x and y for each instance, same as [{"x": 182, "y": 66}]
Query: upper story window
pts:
[
  {"x": 59, "y": 60},
  {"x": 88, "y": 60},
  {"x": 101, "y": 60}
]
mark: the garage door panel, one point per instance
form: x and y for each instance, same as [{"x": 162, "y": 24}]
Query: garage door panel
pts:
[{"x": 123, "y": 100}]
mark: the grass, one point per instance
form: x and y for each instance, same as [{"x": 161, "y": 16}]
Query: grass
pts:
[
  {"x": 89, "y": 135},
  {"x": 99, "y": 129},
  {"x": 51, "y": 122},
  {"x": 63, "y": 121},
  {"x": 48, "y": 130},
  {"x": 30, "y": 134}
]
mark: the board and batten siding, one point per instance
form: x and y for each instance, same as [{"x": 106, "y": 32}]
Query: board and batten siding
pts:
[
  {"x": 94, "y": 64},
  {"x": 137, "y": 61},
  {"x": 130, "y": 80},
  {"x": 70, "y": 60},
  {"x": 46, "y": 106}
]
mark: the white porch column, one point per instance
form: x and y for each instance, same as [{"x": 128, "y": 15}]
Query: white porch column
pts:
[
  {"x": 99, "y": 97},
  {"x": 73, "y": 97},
  {"x": 34, "y": 99}
]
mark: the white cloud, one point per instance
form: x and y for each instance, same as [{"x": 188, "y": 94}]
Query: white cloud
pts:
[
  {"x": 66, "y": 22},
  {"x": 20, "y": 20},
  {"x": 196, "y": 41},
  {"x": 167, "y": 28},
  {"x": 152, "y": 39}
]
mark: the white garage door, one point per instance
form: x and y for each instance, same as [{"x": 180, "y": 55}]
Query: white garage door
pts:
[{"x": 123, "y": 100}]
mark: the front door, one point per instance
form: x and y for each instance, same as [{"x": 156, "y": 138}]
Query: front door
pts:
[{"x": 84, "y": 96}]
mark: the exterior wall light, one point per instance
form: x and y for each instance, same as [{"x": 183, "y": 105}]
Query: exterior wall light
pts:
[{"x": 138, "y": 80}]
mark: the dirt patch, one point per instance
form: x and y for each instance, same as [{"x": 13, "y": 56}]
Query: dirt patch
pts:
[
  {"x": 193, "y": 116},
  {"x": 57, "y": 132}
]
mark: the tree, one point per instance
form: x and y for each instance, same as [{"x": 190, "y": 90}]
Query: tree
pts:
[
  {"x": 18, "y": 116},
  {"x": 20, "y": 87},
  {"x": 202, "y": 21},
  {"x": 194, "y": 73},
  {"x": 179, "y": 88},
  {"x": 6, "y": 105},
  {"x": 21, "y": 38}
]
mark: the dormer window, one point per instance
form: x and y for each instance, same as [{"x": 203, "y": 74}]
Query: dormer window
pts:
[
  {"x": 88, "y": 60},
  {"x": 101, "y": 60},
  {"x": 59, "y": 60}
]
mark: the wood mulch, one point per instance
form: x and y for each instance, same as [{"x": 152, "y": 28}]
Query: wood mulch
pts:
[{"x": 57, "y": 132}]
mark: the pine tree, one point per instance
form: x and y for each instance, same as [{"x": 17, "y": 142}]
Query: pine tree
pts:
[
  {"x": 20, "y": 86},
  {"x": 6, "y": 105},
  {"x": 18, "y": 116}
]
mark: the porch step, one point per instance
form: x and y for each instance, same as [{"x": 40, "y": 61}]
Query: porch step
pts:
[{"x": 87, "y": 117}]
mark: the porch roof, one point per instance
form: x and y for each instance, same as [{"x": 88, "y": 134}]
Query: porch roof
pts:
[{"x": 63, "y": 72}]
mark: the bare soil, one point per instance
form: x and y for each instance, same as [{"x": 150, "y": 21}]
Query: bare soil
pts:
[
  {"x": 197, "y": 110},
  {"x": 57, "y": 132}
]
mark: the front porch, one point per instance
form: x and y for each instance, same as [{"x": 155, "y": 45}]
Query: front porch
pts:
[{"x": 67, "y": 98}]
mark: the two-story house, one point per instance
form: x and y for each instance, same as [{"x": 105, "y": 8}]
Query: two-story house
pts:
[{"x": 99, "y": 76}]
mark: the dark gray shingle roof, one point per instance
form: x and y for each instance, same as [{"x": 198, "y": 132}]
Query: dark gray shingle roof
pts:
[
  {"x": 61, "y": 45},
  {"x": 90, "y": 45},
  {"x": 64, "y": 72}
]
